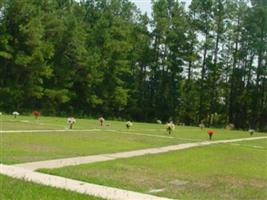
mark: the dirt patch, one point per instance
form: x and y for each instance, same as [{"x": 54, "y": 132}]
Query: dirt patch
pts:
[{"x": 244, "y": 182}]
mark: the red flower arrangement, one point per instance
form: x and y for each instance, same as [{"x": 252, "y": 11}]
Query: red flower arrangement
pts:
[
  {"x": 36, "y": 114},
  {"x": 210, "y": 133}
]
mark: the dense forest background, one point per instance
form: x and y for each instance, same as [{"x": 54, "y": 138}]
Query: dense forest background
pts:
[{"x": 206, "y": 62}]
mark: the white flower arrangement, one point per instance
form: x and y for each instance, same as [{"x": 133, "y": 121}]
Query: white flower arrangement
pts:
[
  {"x": 15, "y": 114},
  {"x": 159, "y": 121},
  {"x": 201, "y": 125},
  {"x": 251, "y": 131},
  {"x": 129, "y": 124},
  {"x": 71, "y": 121},
  {"x": 101, "y": 120},
  {"x": 230, "y": 126},
  {"x": 170, "y": 127}
]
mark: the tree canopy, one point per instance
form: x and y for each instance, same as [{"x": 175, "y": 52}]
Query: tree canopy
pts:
[{"x": 206, "y": 63}]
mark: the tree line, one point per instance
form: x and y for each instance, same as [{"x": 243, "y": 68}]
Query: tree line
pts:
[{"x": 203, "y": 63}]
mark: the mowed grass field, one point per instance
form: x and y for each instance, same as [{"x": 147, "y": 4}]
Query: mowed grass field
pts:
[
  {"x": 89, "y": 138},
  {"x": 233, "y": 171},
  {"x": 14, "y": 189}
]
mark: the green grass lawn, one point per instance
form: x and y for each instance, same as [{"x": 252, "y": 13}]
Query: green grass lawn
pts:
[
  {"x": 25, "y": 147},
  {"x": 224, "y": 171},
  {"x": 14, "y": 189},
  {"x": 218, "y": 172}
]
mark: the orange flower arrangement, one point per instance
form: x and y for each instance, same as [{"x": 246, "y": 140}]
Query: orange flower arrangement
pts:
[{"x": 210, "y": 133}]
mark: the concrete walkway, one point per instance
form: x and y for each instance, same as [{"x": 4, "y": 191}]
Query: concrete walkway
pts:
[
  {"x": 106, "y": 157},
  {"x": 75, "y": 186}
]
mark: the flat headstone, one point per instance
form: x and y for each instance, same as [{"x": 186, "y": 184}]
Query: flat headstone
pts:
[
  {"x": 156, "y": 190},
  {"x": 178, "y": 182}
]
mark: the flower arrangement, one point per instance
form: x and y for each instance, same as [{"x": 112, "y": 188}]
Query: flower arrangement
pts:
[
  {"x": 251, "y": 131},
  {"x": 210, "y": 133},
  {"x": 170, "y": 127},
  {"x": 101, "y": 121},
  {"x": 36, "y": 114},
  {"x": 202, "y": 126},
  {"x": 129, "y": 124},
  {"x": 230, "y": 126},
  {"x": 71, "y": 121},
  {"x": 15, "y": 114},
  {"x": 159, "y": 121}
]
